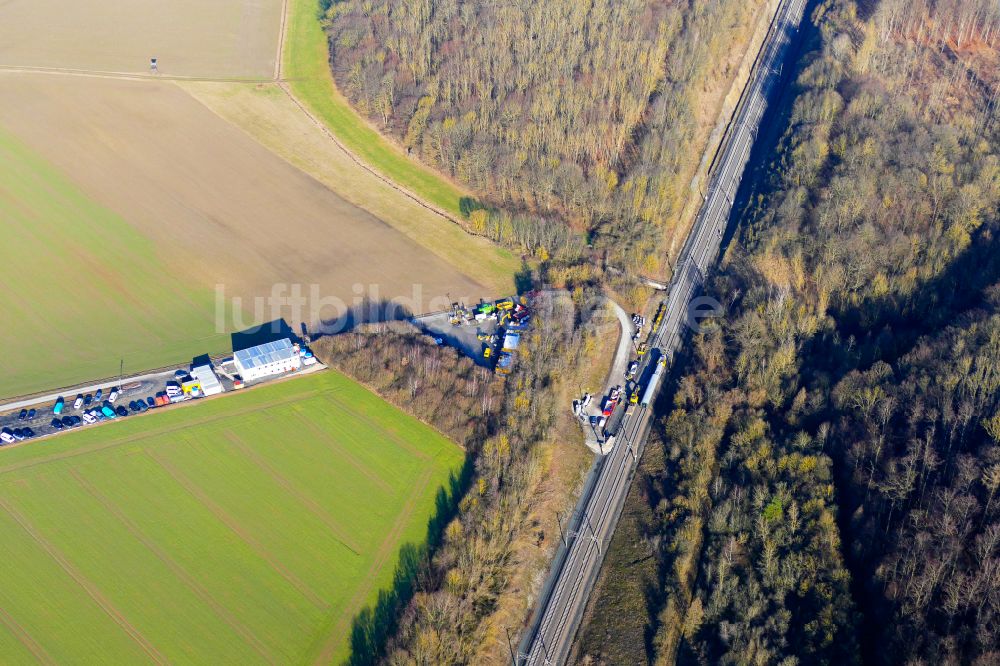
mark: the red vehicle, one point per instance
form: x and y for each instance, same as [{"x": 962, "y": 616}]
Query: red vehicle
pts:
[{"x": 612, "y": 401}]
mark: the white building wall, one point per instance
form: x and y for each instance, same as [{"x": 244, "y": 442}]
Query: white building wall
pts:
[{"x": 269, "y": 369}]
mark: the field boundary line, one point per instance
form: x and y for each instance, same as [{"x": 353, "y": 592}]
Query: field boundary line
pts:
[
  {"x": 385, "y": 550},
  {"x": 128, "y": 439},
  {"x": 92, "y": 590},
  {"x": 24, "y": 638},
  {"x": 310, "y": 504},
  {"x": 234, "y": 526},
  {"x": 192, "y": 584}
]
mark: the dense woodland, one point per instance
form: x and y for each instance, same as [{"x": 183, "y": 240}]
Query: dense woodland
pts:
[
  {"x": 831, "y": 461},
  {"x": 572, "y": 120}
]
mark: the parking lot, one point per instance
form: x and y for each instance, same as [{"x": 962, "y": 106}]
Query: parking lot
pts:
[{"x": 88, "y": 405}]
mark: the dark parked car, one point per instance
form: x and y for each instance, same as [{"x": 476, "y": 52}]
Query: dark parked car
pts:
[
  {"x": 23, "y": 415},
  {"x": 67, "y": 422},
  {"x": 18, "y": 434},
  {"x": 28, "y": 433},
  {"x": 121, "y": 411},
  {"x": 31, "y": 413},
  {"x": 87, "y": 399},
  {"x": 57, "y": 424},
  {"x": 132, "y": 406},
  {"x": 150, "y": 402}
]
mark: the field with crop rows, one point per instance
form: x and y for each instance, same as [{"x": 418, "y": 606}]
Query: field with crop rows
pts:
[{"x": 245, "y": 529}]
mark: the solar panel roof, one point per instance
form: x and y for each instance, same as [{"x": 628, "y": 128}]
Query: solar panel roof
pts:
[{"x": 270, "y": 352}]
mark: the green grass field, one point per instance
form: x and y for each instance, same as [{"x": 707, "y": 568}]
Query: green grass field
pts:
[
  {"x": 245, "y": 529},
  {"x": 81, "y": 289},
  {"x": 306, "y": 65}
]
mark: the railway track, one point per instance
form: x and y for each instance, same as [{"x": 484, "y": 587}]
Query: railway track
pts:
[{"x": 575, "y": 569}]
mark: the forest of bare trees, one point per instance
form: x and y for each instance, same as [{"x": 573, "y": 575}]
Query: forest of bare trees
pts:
[
  {"x": 831, "y": 461},
  {"x": 573, "y": 120},
  {"x": 827, "y": 484}
]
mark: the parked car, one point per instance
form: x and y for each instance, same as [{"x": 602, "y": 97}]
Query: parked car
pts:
[
  {"x": 98, "y": 395},
  {"x": 89, "y": 418},
  {"x": 6, "y": 436},
  {"x": 58, "y": 407},
  {"x": 142, "y": 405},
  {"x": 108, "y": 412},
  {"x": 150, "y": 401},
  {"x": 18, "y": 434},
  {"x": 31, "y": 413},
  {"x": 23, "y": 415},
  {"x": 113, "y": 395},
  {"x": 87, "y": 399},
  {"x": 57, "y": 424},
  {"x": 28, "y": 433},
  {"x": 78, "y": 403},
  {"x": 67, "y": 422},
  {"x": 180, "y": 374},
  {"x": 121, "y": 411}
]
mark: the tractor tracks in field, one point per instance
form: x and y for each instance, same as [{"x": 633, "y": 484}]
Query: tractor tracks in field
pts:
[
  {"x": 386, "y": 549},
  {"x": 126, "y": 76},
  {"x": 176, "y": 568},
  {"x": 92, "y": 590},
  {"x": 282, "y": 30},
  {"x": 25, "y": 639},
  {"x": 312, "y": 506},
  {"x": 238, "y": 530}
]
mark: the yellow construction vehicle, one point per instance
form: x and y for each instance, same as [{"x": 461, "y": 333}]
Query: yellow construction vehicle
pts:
[{"x": 659, "y": 316}]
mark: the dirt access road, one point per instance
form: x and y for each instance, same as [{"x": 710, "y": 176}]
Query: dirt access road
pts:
[{"x": 616, "y": 377}]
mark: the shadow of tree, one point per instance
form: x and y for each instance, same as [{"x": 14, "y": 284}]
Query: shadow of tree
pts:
[
  {"x": 523, "y": 278},
  {"x": 374, "y": 625}
]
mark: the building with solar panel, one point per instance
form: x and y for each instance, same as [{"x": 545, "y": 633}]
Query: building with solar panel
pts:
[{"x": 266, "y": 360}]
